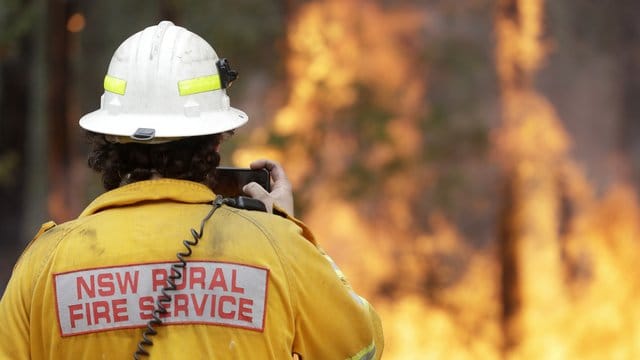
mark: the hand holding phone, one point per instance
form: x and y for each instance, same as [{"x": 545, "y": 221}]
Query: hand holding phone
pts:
[{"x": 280, "y": 193}]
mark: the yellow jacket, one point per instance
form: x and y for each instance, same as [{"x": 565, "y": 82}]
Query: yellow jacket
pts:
[{"x": 256, "y": 286}]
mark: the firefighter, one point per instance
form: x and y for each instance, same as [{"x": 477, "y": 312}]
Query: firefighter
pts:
[{"x": 160, "y": 266}]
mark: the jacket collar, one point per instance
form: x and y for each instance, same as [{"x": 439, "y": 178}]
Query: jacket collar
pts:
[{"x": 150, "y": 190}]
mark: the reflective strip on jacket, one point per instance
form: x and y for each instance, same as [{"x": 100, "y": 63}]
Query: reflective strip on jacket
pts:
[{"x": 255, "y": 287}]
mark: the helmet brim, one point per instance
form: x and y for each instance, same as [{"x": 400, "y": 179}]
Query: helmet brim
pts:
[{"x": 165, "y": 125}]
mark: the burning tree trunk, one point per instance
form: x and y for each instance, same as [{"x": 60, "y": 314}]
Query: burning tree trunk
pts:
[{"x": 532, "y": 146}]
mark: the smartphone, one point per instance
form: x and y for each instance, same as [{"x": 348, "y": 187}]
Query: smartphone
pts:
[{"x": 230, "y": 180}]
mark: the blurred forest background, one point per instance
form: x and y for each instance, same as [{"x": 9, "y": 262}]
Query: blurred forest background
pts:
[{"x": 473, "y": 165}]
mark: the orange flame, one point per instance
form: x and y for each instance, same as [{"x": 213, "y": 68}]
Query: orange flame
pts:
[
  {"x": 76, "y": 23},
  {"x": 574, "y": 290},
  {"x": 345, "y": 54},
  {"x": 533, "y": 146}
]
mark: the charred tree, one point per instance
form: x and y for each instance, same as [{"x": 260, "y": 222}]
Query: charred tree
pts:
[
  {"x": 60, "y": 158},
  {"x": 533, "y": 147}
]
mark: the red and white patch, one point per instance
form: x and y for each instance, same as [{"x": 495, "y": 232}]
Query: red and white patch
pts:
[{"x": 216, "y": 293}]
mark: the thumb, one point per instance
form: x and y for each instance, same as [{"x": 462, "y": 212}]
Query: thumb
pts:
[{"x": 256, "y": 191}]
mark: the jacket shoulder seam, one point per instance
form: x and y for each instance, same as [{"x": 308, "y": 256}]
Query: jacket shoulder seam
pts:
[{"x": 48, "y": 255}]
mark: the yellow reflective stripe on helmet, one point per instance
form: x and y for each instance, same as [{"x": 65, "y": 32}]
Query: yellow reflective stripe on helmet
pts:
[
  {"x": 365, "y": 354},
  {"x": 115, "y": 85},
  {"x": 198, "y": 85}
]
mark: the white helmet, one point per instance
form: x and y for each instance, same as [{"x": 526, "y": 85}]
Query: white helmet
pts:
[{"x": 163, "y": 83}]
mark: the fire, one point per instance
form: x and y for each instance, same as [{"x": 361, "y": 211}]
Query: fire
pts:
[
  {"x": 76, "y": 23},
  {"x": 355, "y": 54},
  {"x": 558, "y": 282},
  {"x": 571, "y": 294},
  {"x": 532, "y": 145}
]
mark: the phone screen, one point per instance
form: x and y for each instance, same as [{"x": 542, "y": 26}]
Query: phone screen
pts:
[{"x": 230, "y": 180}]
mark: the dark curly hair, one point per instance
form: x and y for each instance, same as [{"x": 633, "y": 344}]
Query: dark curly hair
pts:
[{"x": 193, "y": 158}]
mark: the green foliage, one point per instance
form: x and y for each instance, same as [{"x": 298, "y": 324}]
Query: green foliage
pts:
[
  {"x": 16, "y": 19},
  {"x": 367, "y": 122},
  {"x": 245, "y": 31},
  {"x": 9, "y": 162}
]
